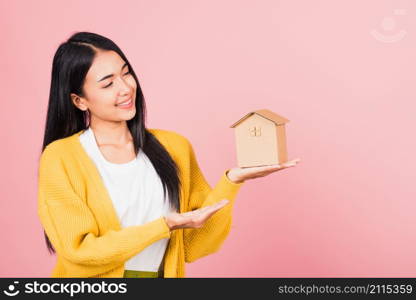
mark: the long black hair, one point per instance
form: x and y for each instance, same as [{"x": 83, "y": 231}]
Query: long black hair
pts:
[{"x": 71, "y": 63}]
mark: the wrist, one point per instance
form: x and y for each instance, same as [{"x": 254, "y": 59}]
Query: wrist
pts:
[{"x": 168, "y": 223}]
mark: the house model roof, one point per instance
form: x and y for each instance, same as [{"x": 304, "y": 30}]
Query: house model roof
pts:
[{"x": 265, "y": 113}]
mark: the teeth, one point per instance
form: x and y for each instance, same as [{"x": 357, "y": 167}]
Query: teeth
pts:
[{"x": 125, "y": 103}]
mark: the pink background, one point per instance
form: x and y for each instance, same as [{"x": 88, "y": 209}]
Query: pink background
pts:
[{"x": 347, "y": 210}]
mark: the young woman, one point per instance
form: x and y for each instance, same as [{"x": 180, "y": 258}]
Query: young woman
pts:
[{"x": 115, "y": 198}]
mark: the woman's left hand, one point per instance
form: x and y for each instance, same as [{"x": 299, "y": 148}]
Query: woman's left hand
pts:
[{"x": 239, "y": 175}]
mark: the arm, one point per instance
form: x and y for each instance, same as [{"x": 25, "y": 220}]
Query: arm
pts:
[
  {"x": 208, "y": 239},
  {"x": 72, "y": 228}
]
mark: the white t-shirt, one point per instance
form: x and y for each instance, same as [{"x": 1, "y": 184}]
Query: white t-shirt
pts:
[{"x": 137, "y": 195}]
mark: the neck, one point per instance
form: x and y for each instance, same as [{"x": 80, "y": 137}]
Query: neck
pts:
[{"x": 112, "y": 133}]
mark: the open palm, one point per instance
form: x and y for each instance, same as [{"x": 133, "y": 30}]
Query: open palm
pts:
[
  {"x": 239, "y": 175},
  {"x": 195, "y": 218}
]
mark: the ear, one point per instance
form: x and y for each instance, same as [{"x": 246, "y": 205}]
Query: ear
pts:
[{"x": 78, "y": 102}]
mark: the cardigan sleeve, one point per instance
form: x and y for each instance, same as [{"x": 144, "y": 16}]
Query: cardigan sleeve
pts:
[
  {"x": 72, "y": 229},
  {"x": 199, "y": 242}
]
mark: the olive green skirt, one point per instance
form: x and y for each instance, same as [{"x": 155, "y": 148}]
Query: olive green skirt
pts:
[{"x": 142, "y": 274}]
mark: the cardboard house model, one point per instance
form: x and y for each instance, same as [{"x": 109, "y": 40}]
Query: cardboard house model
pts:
[{"x": 260, "y": 139}]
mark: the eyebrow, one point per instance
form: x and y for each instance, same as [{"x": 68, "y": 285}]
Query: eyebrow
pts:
[{"x": 107, "y": 76}]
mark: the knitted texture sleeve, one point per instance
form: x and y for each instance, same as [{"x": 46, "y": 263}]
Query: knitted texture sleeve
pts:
[
  {"x": 199, "y": 242},
  {"x": 73, "y": 231}
]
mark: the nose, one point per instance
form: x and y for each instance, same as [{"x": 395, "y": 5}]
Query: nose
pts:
[{"x": 125, "y": 89}]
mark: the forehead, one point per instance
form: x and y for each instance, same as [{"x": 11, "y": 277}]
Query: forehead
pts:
[{"x": 104, "y": 63}]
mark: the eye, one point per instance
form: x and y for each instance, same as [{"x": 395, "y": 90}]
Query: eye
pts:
[{"x": 112, "y": 83}]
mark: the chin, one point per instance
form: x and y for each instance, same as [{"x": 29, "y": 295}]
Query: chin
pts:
[{"x": 131, "y": 114}]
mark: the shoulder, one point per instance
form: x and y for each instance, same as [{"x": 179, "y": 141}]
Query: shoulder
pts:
[
  {"x": 59, "y": 147},
  {"x": 52, "y": 149},
  {"x": 50, "y": 160}
]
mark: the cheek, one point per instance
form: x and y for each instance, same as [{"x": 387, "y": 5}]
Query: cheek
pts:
[
  {"x": 132, "y": 82},
  {"x": 103, "y": 100}
]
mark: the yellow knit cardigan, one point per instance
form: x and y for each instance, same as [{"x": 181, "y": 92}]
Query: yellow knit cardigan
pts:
[{"x": 80, "y": 220}]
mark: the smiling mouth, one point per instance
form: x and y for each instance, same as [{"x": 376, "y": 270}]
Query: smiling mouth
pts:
[{"x": 127, "y": 103}]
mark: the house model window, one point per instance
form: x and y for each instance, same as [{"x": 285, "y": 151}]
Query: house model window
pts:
[
  {"x": 255, "y": 131},
  {"x": 260, "y": 139}
]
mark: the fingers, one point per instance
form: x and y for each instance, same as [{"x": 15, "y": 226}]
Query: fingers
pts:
[
  {"x": 206, "y": 214},
  {"x": 214, "y": 207},
  {"x": 286, "y": 164},
  {"x": 222, "y": 202},
  {"x": 196, "y": 218},
  {"x": 266, "y": 170},
  {"x": 262, "y": 168},
  {"x": 210, "y": 208},
  {"x": 293, "y": 162},
  {"x": 271, "y": 167}
]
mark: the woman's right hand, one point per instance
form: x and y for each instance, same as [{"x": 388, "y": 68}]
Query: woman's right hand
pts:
[{"x": 195, "y": 218}]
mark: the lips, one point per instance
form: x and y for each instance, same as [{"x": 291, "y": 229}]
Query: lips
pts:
[{"x": 125, "y": 103}]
